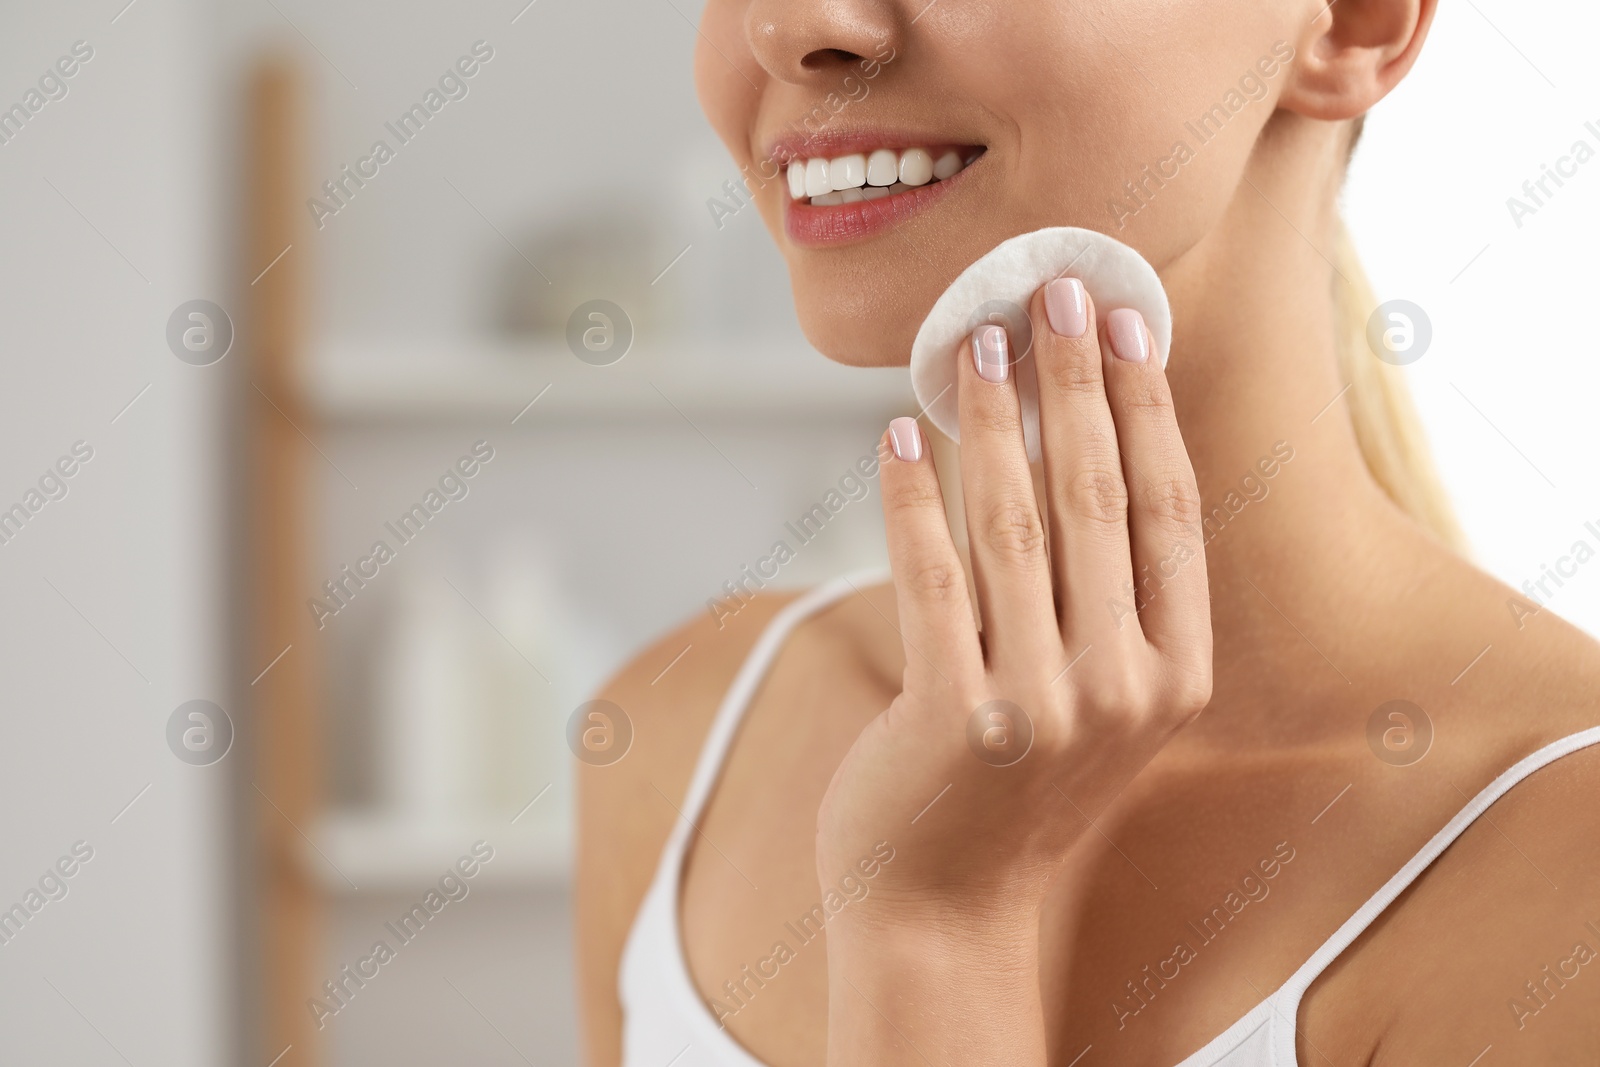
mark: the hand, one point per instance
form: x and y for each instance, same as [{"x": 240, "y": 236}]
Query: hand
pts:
[{"x": 1091, "y": 656}]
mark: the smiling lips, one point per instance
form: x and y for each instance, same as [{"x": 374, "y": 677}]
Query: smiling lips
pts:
[
  {"x": 861, "y": 193},
  {"x": 863, "y": 176}
]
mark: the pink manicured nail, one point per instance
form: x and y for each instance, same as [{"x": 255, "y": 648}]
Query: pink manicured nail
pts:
[
  {"x": 989, "y": 353},
  {"x": 1066, "y": 307},
  {"x": 1125, "y": 326},
  {"x": 906, "y": 438}
]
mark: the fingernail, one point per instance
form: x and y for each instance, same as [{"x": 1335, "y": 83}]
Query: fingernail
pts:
[
  {"x": 1125, "y": 326},
  {"x": 1066, "y": 307},
  {"x": 989, "y": 353},
  {"x": 906, "y": 438}
]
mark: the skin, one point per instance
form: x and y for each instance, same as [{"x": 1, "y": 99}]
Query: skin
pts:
[{"x": 1018, "y": 908}]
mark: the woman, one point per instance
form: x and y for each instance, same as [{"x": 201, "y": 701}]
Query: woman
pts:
[{"x": 990, "y": 782}]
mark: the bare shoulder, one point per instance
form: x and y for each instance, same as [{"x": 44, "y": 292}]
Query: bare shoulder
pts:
[
  {"x": 1497, "y": 943},
  {"x": 669, "y": 694},
  {"x": 1525, "y": 877}
]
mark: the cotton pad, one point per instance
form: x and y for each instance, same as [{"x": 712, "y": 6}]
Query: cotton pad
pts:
[{"x": 998, "y": 287}]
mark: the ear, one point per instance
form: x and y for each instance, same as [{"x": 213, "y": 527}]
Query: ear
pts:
[{"x": 1352, "y": 53}]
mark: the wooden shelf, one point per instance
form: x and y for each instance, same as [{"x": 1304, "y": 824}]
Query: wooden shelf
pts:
[
  {"x": 378, "y": 852},
  {"x": 442, "y": 379}
]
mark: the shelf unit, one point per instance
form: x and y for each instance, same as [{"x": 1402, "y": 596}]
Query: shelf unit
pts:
[
  {"x": 357, "y": 851},
  {"x": 403, "y": 382},
  {"x": 283, "y": 727},
  {"x": 311, "y": 385},
  {"x": 353, "y": 381}
]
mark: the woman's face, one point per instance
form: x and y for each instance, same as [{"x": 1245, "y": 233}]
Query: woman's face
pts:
[{"x": 1134, "y": 118}]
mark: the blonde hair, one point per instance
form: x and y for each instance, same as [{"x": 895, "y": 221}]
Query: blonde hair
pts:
[{"x": 1387, "y": 428}]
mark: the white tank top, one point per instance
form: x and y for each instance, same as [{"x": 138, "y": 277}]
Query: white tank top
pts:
[{"x": 667, "y": 1024}]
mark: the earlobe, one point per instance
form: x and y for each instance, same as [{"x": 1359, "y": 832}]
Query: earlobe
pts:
[{"x": 1353, "y": 52}]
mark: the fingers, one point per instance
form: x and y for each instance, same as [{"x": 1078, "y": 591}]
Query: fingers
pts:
[
  {"x": 1088, "y": 498},
  {"x": 1126, "y": 563},
  {"x": 1005, "y": 533},
  {"x": 941, "y": 645},
  {"x": 1169, "y": 570}
]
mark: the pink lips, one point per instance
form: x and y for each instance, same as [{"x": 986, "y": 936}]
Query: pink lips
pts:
[
  {"x": 808, "y": 224},
  {"x": 826, "y": 224}
]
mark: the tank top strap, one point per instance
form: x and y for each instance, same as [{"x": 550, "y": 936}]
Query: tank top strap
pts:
[
  {"x": 1353, "y": 927},
  {"x": 730, "y": 714}
]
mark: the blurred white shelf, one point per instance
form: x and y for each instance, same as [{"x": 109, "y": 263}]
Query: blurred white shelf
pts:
[
  {"x": 454, "y": 378},
  {"x": 376, "y": 852}
]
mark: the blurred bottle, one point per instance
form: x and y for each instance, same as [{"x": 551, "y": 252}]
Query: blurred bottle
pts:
[
  {"x": 431, "y": 724},
  {"x": 528, "y": 681}
]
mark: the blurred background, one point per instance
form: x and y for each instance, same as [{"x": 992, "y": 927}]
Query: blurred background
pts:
[{"x": 241, "y": 349}]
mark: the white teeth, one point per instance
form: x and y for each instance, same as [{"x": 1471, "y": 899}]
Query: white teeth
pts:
[
  {"x": 883, "y": 167},
  {"x": 817, "y": 177},
  {"x": 848, "y": 172},
  {"x": 797, "y": 180},
  {"x": 862, "y": 176},
  {"x": 916, "y": 166}
]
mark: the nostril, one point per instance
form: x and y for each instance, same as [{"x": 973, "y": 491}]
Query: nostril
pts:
[{"x": 823, "y": 58}]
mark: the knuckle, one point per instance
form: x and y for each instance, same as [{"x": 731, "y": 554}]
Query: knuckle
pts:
[
  {"x": 1070, "y": 370},
  {"x": 1191, "y": 689},
  {"x": 1145, "y": 395},
  {"x": 1117, "y": 689},
  {"x": 1175, "y": 499},
  {"x": 995, "y": 417},
  {"x": 1097, "y": 493},
  {"x": 912, "y": 494},
  {"x": 1014, "y": 529},
  {"x": 1194, "y": 701},
  {"x": 937, "y": 581}
]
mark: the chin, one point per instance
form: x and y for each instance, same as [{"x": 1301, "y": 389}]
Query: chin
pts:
[{"x": 863, "y": 328}]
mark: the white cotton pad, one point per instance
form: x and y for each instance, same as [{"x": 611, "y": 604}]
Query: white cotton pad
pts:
[{"x": 998, "y": 287}]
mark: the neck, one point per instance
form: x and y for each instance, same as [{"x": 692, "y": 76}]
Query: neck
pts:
[
  {"x": 1297, "y": 533},
  {"x": 1253, "y": 359}
]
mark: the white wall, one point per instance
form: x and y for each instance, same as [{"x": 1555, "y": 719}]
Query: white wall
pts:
[
  {"x": 112, "y": 606},
  {"x": 1508, "y": 387}
]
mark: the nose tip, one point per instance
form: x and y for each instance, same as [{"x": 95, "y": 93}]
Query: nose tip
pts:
[{"x": 800, "y": 39}]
